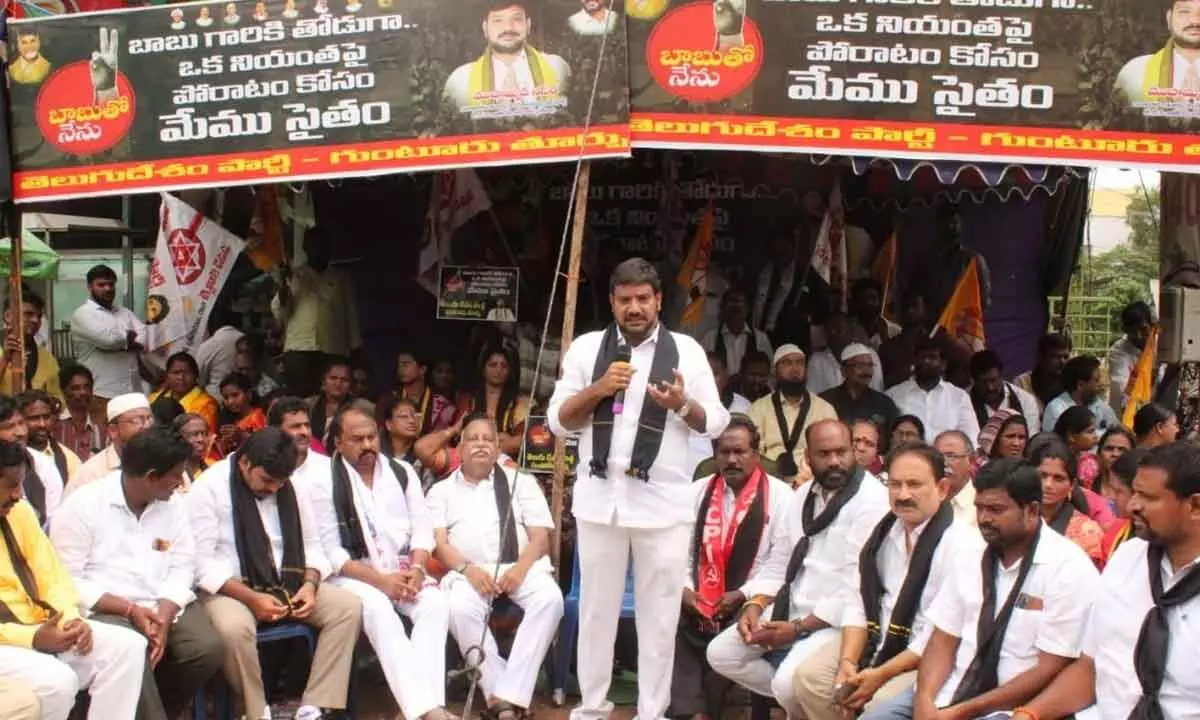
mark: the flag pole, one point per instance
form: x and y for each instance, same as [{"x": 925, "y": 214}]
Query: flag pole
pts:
[
  {"x": 574, "y": 260},
  {"x": 16, "y": 361}
]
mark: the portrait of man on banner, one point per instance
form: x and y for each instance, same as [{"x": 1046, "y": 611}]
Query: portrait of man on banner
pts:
[
  {"x": 511, "y": 78},
  {"x": 1175, "y": 66}
]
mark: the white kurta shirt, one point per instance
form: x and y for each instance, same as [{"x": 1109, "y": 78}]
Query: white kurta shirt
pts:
[
  {"x": 825, "y": 372},
  {"x": 99, "y": 337},
  {"x": 945, "y": 407},
  {"x": 736, "y": 345},
  {"x": 52, "y": 481},
  {"x": 830, "y": 568},
  {"x": 665, "y": 499},
  {"x": 1048, "y": 617},
  {"x": 108, "y": 549},
  {"x": 1123, "y": 599},
  {"x": 1030, "y": 408},
  {"x": 210, "y": 509},
  {"x": 471, "y": 519},
  {"x": 780, "y": 495}
]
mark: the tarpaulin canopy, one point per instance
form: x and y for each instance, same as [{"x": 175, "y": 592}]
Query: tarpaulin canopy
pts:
[{"x": 38, "y": 261}]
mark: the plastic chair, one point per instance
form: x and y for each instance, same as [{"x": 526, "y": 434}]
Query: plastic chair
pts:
[
  {"x": 568, "y": 631},
  {"x": 266, "y": 635}
]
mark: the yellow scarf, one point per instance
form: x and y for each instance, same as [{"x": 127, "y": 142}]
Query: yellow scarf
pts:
[
  {"x": 1160, "y": 71},
  {"x": 482, "y": 79}
]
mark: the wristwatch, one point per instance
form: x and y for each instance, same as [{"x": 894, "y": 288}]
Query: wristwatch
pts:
[
  {"x": 685, "y": 408},
  {"x": 463, "y": 567}
]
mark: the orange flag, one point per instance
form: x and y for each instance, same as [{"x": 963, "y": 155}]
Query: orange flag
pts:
[
  {"x": 963, "y": 316},
  {"x": 1141, "y": 380},
  {"x": 693, "y": 275},
  {"x": 884, "y": 269}
]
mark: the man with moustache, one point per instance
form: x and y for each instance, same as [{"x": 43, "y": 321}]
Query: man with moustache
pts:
[
  {"x": 907, "y": 559},
  {"x": 594, "y": 19},
  {"x": 106, "y": 337},
  {"x": 633, "y": 393},
  {"x": 990, "y": 392},
  {"x": 736, "y": 513},
  {"x": 37, "y": 407},
  {"x": 1175, "y": 65},
  {"x": 958, "y": 452},
  {"x": 378, "y": 535},
  {"x": 1138, "y": 657},
  {"x": 128, "y": 415},
  {"x": 825, "y": 368},
  {"x": 1081, "y": 386},
  {"x": 940, "y": 405},
  {"x": 784, "y": 416},
  {"x": 796, "y": 597},
  {"x": 735, "y": 337},
  {"x": 43, "y": 484},
  {"x": 992, "y": 651},
  {"x": 510, "y": 69},
  {"x": 855, "y": 399}
]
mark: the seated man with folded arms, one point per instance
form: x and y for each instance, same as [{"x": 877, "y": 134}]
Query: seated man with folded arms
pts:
[
  {"x": 1139, "y": 647},
  {"x": 736, "y": 511},
  {"x": 127, "y": 542},
  {"x": 260, "y": 562},
  {"x": 376, "y": 531},
  {"x": 908, "y": 558},
  {"x": 43, "y": 483},
  {"x": 44, "y": 643},
  {"x": 1010, "y": 618},
  {"x": 492, "y": 527}
]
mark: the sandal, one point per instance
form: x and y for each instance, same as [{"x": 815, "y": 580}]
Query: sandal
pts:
[{"x": 504, "y": 711}]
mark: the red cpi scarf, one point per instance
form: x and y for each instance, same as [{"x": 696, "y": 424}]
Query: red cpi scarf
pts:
[{"x": 716, "y": 548}]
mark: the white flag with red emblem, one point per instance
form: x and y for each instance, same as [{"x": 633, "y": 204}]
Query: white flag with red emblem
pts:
[
  {"x": 456, "y": 197},
  {"x": 829, "y": 253},
  {"x": 192, "y": 260}
]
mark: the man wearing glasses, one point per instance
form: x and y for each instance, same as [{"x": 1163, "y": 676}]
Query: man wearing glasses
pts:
[{"x": 128, "y": 415}]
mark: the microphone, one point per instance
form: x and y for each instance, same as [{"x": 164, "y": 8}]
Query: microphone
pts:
[{"x": 624, "y": 354}]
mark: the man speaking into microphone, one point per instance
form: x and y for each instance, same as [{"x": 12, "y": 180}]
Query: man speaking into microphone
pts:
[{"x": 633, "y": 393}]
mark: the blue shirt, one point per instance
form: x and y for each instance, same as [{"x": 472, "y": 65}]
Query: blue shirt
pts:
[{"x": 1105, "y": 417}]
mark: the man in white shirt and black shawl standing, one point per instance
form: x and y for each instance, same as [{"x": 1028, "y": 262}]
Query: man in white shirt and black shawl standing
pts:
[
  {"x": 909, "y": 556},
  {"x": 735, "y": 512},
  {"x": 797, "y": 596},
  {"x": 1138, "y": 658},
  {"x": 43, "y": 485},
  {"x": 378, "y": 535},
  {"x": 492, "y": 528},
  {"x": 633, "y": 393},
  {"x": 261, "y": 562}
]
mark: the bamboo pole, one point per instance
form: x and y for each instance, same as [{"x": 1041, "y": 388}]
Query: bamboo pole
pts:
[
  {"x": 16, "y": 329},
  {"x": 579, "y": 224}
]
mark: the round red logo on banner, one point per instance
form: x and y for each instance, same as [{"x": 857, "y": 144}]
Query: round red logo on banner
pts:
[
  {"x": 74, "y": 119},
  {"x": 705, "y": 51},
  {"x": 187, "y": 255}
]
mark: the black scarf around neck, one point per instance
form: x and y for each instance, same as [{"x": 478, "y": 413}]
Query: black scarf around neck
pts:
[
  {"x": 60, "y": 459},
  {"x": 894, "y": 640},
  {"x": 509, "y": 548},
  {"x": 1062, "y": 517},
  {"x": 653, "y": 420},
  {"x": 751, "y": 345},
  {"x": 254, "y": 546},
  {"x": 34, "y": 489},
  {"x": 791, "y": 438},
  {"x": 31, "y": 364},
  {"x": 982, "y": 414},
  {"x": 350, "y": 533},
  {"x": 812, "y": 525},
  {"x": 982, "y": 674},
  {"x": 1154, "y": 639},
  {"x": 745, "y": 542}
]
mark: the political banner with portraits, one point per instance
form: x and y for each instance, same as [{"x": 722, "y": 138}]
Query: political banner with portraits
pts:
[
  {"x": 1091, "y": 82},
  {"x": 478, "y": 293},
  {"x": 214, "y": 94}
]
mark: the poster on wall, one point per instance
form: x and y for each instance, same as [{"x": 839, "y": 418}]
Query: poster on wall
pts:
[
  {"x": 539, "y": 447},
  {"x": 478, "y": 293},
  {"x": 220, "y": 93},
  {"x": 1039, "y": 81}
]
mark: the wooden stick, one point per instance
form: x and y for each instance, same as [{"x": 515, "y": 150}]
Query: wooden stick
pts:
[
  {"x": 579, "y": 223},
  {"x": 16, "y": 361}
]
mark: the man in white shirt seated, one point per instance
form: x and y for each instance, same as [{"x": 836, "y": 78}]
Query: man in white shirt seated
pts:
[
  {"x": 1139, "y": 652},
  {"x": 940, "y": 405},
  {"x": 127, "y": 543},
  {"x": 43, "y": 484},
  {"x": 999, "y": 639},
  {"x": 107, "y": 336},
  {"x": 492, "y": 527},
  {"x": 261, "y": 562},
  {"x": 825, "y": 366},
  {"x": 127, "y": 415},
  {"x": 909, "y": 557},
  {"x": 959, "y": 453},
  {"x": 736, "y": 337},
  {"x": 735, "y": 511},
  {"x": 376, "y": 531},
  {"x": 990, "y": 393},
  {"x": 796, "y": 595}
]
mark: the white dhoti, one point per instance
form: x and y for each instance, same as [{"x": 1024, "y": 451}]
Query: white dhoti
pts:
[
  {"x": 513, "y": 680},
  {"x": 415, "y": 667},
  {"x": 660, "y": 561},
  {"x": 111, "y": 673},
  {"x": 730, "y": 656}
]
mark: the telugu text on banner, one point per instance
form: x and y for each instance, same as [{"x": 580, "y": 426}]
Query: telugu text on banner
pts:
[
  {"x": 1048, "y": 81},
  {"x": 218, "y": 94}
]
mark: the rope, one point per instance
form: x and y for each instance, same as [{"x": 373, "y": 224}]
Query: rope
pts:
[{"x": 473, "y": 656}]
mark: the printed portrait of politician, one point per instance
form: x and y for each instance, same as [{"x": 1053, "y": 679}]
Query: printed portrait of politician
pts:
[
  {"x": 595, "y": 18},
  {"x": 29, "y": 67},
  {"x": 1176, "y": 65},
  {"x": 729, "y": 17},
  {"x": 509, "y": 64}
]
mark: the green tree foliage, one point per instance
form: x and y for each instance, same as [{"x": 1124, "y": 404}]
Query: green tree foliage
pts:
[{"x": 1143, "y": 216}]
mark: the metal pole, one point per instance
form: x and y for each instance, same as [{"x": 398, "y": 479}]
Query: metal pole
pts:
[
  {"x": 16, "y": 361},
  {"x": 579, "y": 223},
  {"x": 127, "y": 249}
]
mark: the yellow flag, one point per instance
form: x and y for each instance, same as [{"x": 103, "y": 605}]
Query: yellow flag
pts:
[
  {"x": 884, "y": 269},
  {"x": 963, "y": 317},
  {"x": 1141, "y": 380},
  {"x": 693, "y": 276}
]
